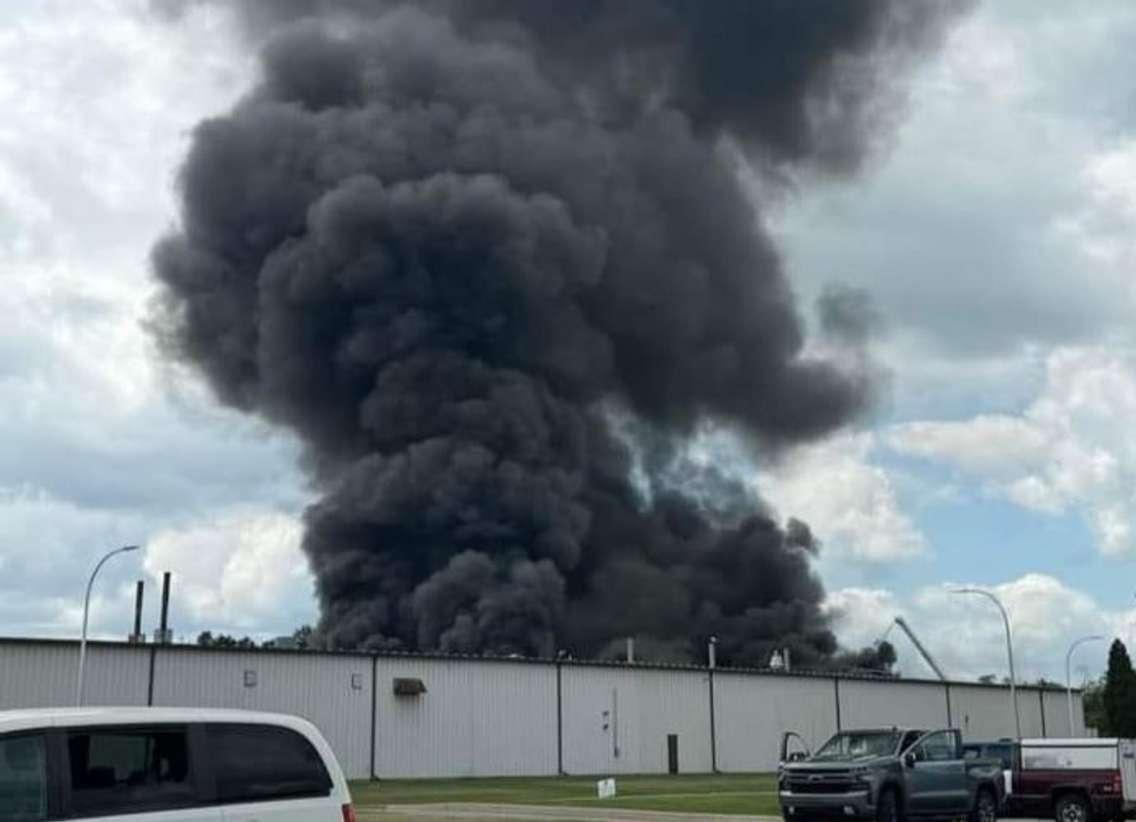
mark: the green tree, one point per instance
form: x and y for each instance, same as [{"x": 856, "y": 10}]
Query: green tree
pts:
[
  {"x": 1119, "y": 693},
  {"x": 1093, "y": 700},
  {"x": 303, "y": 637},
  {"x": 210, "y": 640}
]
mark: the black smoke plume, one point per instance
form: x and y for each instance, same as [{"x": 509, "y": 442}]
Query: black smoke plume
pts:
[{"x": 450, "y": 244}]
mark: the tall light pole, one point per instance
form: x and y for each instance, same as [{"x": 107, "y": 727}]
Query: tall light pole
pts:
[
  {"x": 86, "y": 612},
  {"x": 1129, "y": 624},
  {"x": 1069, "y": 675},
  {"x": 1009, "y": 649}
]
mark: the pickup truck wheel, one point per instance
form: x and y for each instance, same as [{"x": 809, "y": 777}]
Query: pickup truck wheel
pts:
[
  {"x": 986, "y": 808},
  {"x": 1072, "y": 808},
  {"x": 887, "y": 806}
]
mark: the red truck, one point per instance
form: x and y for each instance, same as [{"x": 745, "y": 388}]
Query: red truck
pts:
[{"x": 1072, "y": 780}]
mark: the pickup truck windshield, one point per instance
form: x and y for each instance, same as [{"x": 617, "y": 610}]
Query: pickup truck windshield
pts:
[{"x": 859, "y": 744}]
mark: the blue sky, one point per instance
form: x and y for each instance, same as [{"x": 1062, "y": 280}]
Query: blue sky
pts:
[{"x": 994, "y": 230}]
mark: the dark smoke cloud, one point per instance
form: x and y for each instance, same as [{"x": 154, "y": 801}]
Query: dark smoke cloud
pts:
[
  {"x": 448, "y": 244},
  {"x": 877, "y": 659}
]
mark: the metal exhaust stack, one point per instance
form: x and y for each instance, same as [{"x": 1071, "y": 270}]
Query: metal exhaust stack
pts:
[
  {"x": 164, "y": 635},
  {"x": 137, "y": 637}
]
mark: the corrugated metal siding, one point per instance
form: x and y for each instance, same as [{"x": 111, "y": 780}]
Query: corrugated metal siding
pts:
[
  {"x": 482, "y": 718},
  {"x": 318, "y": 688},
  {"x": 634, "y": 709},
  {"x": 752, "y": 712},
  {"x": 1029, "y": 703},
  {"x": 983, "y": 713},
  {"x": 906, "y": 704},
  {"x": 1057, "y": 715},
  {"x": 475, "y": 719},
  {"x": 35, "y": 676}
]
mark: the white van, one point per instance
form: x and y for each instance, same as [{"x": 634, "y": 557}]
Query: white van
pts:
[{"x": 167, "y": 765}]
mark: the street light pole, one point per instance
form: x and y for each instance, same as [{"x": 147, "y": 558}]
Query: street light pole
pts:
[
  {"x": 1069, "y": 675},
  {"x": 86, "y": 613},
  {"x": 1009, "y": 649}
]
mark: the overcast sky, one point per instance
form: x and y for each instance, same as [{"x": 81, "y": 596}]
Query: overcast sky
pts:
[{"x": 995, "y": 232}]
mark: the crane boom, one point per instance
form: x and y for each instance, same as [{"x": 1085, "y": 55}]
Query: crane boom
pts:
[{"x": 902, "y": 623}]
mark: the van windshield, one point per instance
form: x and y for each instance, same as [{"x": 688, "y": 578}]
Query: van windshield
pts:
[{"x": 859, "y": 744}]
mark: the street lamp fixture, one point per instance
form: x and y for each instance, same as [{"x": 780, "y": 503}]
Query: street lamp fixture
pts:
[
  {"x": 1069, "y": 676},
  {"x": 86, "y": 613},
  {"x": 1009, "y": 648}
]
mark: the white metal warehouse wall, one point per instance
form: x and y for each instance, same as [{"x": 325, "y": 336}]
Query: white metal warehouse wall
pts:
[
  {"x": 35, "y": 675},
  {"x": 476, "y": 719},
  {"x": 907, "y": 704},
  {"x": 1057, "y": 715},
  {"x": 751, "y": 713},
  {"x": 982, "y": 712},
  {"x": 513, "y": 717},
  {"x": 333, "y": 692},
  {"x": 616, "y": 720}
]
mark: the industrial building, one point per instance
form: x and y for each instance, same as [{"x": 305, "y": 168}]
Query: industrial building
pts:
[{"x": 421, "y": 716}]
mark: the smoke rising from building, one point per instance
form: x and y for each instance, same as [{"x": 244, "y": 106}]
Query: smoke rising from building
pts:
[{"x": 448, "y": 243}]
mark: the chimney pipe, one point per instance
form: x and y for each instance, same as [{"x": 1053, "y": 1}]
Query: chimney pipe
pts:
[
  {"x": 630, "y": 649},
  {"x": 137, "y": 636},
  {"x": 164, "y": 633}
]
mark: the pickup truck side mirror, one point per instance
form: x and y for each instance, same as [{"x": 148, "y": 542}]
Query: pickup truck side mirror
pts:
[
  {"x": 795, "y": 756},
  {"x": 909, "y": 759}
]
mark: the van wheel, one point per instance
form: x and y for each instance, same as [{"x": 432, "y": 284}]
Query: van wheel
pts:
[
  {"x": 986, "y": 807},
  {"x": 887, "y": 806},
  {"x": 1072, "y": 808}
]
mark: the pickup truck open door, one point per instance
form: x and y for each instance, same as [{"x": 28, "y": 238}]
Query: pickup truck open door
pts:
[
  {"x": 793, "y": 748},
  {"x": 935, "y": 775}
]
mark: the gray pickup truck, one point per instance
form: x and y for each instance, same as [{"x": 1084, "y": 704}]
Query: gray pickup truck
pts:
[{"x": 888, "y": 776}]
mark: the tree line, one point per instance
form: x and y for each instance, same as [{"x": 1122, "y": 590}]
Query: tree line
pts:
[
  {"x": 300, "y": 639},
  {"x": 1110, "y": 702}
]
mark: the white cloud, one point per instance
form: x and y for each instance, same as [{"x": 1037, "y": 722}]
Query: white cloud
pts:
[
  {"x": 1002, "y": 223},
  {"x": 983, "y": 444},
  {"x": 1104, "y": 223},
  {"x": 236, "y": 570},
  {"x": 241, "y": 570},
  {"x": 100, "y": 443},
  {"x": 1072, "y": 447},
  {"x": 964, "y": 633},
  {"x": 850, "y": 503}
]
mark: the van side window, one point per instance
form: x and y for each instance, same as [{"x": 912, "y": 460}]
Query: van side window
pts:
[
  {"x": 126, "y": 770},
  {"x": 23, "y": 779},
  {"x": 938, "y": 747},
  {"x": 264, "y": 762}
]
